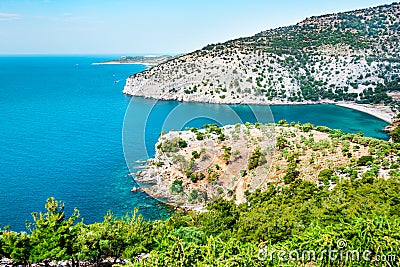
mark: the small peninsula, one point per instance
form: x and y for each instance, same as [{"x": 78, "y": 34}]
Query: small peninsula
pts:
[
  {"x": 149, "y": 60},
  {"x": 196, "y": 166}
]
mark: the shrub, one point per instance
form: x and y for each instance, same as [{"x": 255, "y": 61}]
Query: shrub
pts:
[
  {"x": 325, "y": 175},
  {"x": 190, "y": 166},
  {"x": 364, "y": 160},
  {"x": 177, "y": 186},
  {"x": 291, "y": 172},
  {"x": 168, "y": 146},
  {"x": 159, "y": 163},
  {"x": 172, "y": 145},
  {"x": 199, "y": 136},
  {"x": 307, "y": 127},
  {"x": 193, "y": 196},
  {"x": 193, "y": 177},
  {"x": 336, "y": 133},
  {"x": 227, "y": 153},
  {"x": 395, "y": 135},
  {"x": 323, "y": 129},
  {"x": 221, "y": 137},
  {"x": 283, "y": 123},
  {"x": 394, "y": 166},
  {"x": 281, "y": 142},
  {"x": 195, "y": 154},
  {"x": 190, "y": 234},
  {"x": 182, "y": 143},
  {"x": 291, "y": 175},
  {"x": 255, "y": 159}
]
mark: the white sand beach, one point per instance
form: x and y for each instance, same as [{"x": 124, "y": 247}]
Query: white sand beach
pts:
[{"x": 380, "y": 111}]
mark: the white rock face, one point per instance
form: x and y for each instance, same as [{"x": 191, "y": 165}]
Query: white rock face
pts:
[
  {"x": 257, "y": 79},
  {"x": 273, "y": 67}
]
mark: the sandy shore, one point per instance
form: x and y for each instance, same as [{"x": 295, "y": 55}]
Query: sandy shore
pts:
[{"x": 380, "y": 111}]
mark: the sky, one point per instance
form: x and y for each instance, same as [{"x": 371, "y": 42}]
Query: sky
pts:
[{"x": 128, "y": 27}]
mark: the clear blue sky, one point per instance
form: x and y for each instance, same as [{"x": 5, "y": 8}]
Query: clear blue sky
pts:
[{"x": 146, "y": 26}]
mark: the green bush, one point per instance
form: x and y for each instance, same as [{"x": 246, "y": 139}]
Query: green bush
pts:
[
  {"x": 227, "y": 153},
  {"x": 325, "y": 175},
  {"x": 255, "y": 159},
  {"x": 291, "y": 173},
  {"x": 190, "y": 234},
  {"x": 306, "y": 127},
  {"x": 193, "y": 196},
  {"x": 364, "y": 160},
  {"x": 193, "y": 177},
  {"x": 395, "y": 135},
  {"x": 323, "y": 129},
  {"x": 200, "y": 136},
  {"x": 172, "y": 145},
  {"x": 221, "y": 137},
  {"x": 281, "y": 142},
  {"x": 195, "y": 154},
  {"x": 283, "y": 123},
  {"x": 177, "y": 186},
  {"x": 182, "y": 143}
]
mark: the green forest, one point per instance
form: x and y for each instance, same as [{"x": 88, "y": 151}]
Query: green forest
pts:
[{"x": 356, "y": 215}]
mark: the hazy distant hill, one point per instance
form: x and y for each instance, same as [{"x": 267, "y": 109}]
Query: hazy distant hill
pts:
[
  {"x": 146, "y": 60},
  {"x": 353, "y": 56}
]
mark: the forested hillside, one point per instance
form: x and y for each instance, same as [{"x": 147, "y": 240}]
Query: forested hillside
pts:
[{"x": 357, "y": 215}]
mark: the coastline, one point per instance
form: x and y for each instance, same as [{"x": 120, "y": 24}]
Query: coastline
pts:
[
  {"x": 381, "y": 112},
  {"x": 124, "y": 63}
]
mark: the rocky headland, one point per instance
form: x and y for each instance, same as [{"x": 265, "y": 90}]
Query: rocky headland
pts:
[{"x": 196, "y": 166}]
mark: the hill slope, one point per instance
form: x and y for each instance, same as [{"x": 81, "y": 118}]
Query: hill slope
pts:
[
  {"x": 194, "y": 167},
  {"x": 351, "y": 56}
]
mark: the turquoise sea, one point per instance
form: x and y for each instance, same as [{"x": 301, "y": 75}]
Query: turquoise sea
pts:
[{"x": 61, "y": 122}]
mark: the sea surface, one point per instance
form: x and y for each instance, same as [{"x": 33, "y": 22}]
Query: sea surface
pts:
[{"x": 61, "y": 129}]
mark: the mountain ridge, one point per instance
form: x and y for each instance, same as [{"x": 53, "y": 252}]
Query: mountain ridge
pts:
[{"x": 351, "y": 56}]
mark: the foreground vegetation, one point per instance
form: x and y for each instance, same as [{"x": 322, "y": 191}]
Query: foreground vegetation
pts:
[{"x": 301, "y": 216}]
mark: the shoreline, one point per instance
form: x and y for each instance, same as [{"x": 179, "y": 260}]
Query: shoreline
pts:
[
  {"x": 381, "y": 112},
  {"x": 124, "y": 63}
]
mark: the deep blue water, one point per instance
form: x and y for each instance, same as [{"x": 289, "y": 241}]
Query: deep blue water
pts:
[
  {"x": 61, "y": 120},
  {"x": 61, "y": 133}
]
